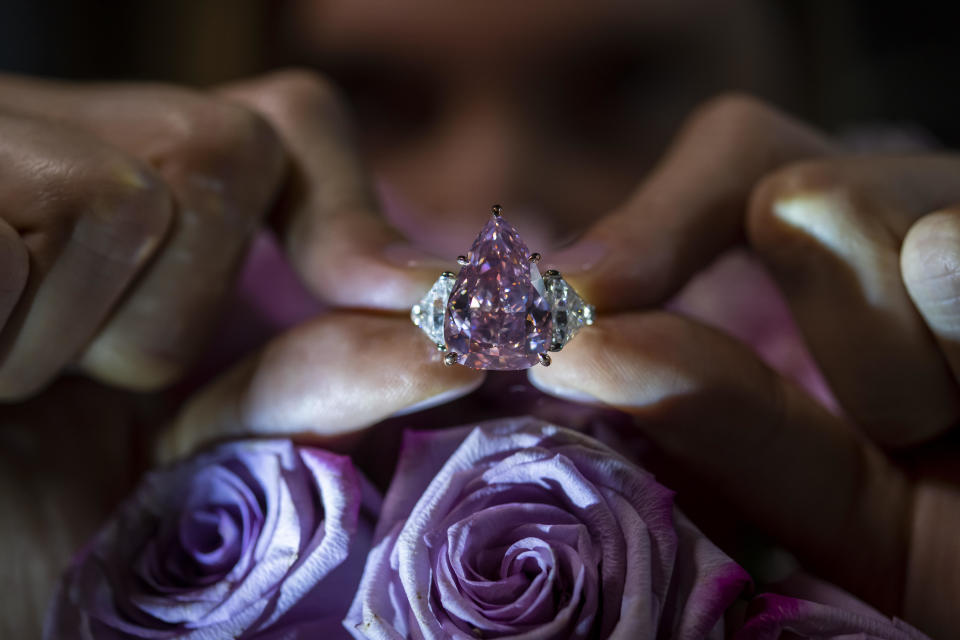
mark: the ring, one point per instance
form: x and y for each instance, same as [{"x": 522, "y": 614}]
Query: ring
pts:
[{"x": 499, "y": 312}]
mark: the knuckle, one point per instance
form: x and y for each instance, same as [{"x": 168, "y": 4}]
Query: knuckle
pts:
[
  {"x": 109, "y": 203},
  {"x": 298, "y": 91},
  {"x": 224, "y": 141},
  {"x": 293, "y": 95},
  {"x": 136, "y": 206},
  {"x": 748, "y": 127},
  {"x": 731, "y": 113},
  {"x": 794, "y": 206}
]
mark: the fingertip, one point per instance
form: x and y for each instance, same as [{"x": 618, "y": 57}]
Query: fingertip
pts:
[
  {"x": 372, "y": 282},
  {"x": 560, "y": 385},
  {"x": 930, "y": 257},
  {"x": 434, "y": 395},
  {"x": 323, "y": 382},
  {"x": 631, "y": 361},
  {"x": 357, "y": 261},
  {"x": 429, "y": 381},
  {"x": 582, "y": 265},
  {"x": 581, "y": 257},
  {"x": 616, "y": 270},
  {"x": 930, "y": 267},
  {"x": 212, "y": 415}
]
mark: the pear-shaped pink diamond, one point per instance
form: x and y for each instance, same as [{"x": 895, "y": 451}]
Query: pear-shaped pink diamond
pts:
[{"x": 497, "y": 315}]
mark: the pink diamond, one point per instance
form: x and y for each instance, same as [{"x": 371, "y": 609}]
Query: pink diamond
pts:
[{"x": 497, "y": 315}]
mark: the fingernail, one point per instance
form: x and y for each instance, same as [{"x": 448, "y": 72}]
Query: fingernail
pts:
[
  {"x": 534, "y": 375},
  {"x": 579, "y": 257},
  {"x": 441, "y": 398},
  {"x": 409, "y": 257}
]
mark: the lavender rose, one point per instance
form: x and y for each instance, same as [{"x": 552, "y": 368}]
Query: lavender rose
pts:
[
  {"x": 773, "y": 617},
  {"x": 252, "y": 540},
  {"x": 518, "y": 528}
]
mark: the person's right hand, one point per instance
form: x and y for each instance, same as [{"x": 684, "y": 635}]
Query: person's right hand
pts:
[
  {"x": 123, "y": 211},
  {"x": 126, "y": 208},
  {"x": 865, "y": 250}
]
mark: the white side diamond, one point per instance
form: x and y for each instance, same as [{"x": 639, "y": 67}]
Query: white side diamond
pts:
[
  {"x": 428, "y": 314},
  {"x": 570, "y": 312}
]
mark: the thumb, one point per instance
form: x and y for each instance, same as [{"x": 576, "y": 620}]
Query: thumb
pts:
[
  {"x": 723, "y": 417},
  {"x": 930, "y": 265},
  {"x": 325, "y": 381}
]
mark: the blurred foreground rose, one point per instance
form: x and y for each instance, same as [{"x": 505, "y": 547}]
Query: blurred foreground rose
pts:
[
  {"x": 520, "y": 528},
  {"x": 775, "y": 617},
  {"x": 259, "y": 539}
]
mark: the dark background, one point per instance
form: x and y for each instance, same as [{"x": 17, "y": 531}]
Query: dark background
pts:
[{"x": 860, "y": 61}]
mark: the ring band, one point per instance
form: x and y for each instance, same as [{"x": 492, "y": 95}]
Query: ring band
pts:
[{"x": 499, "y": 312}]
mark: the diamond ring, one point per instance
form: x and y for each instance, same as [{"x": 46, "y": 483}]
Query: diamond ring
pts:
[{"x": 499, "y": 312}]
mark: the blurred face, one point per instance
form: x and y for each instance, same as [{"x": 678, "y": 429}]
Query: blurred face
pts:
[{"x": 553, "y": 107}]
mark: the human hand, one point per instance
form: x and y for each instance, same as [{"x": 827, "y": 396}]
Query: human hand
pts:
[
  {"x": 883, "y": 526},
  {"x": 829, "y": 226},
  {"x": 126, "y": 208},
  {"x": 865, "y": 250},
  {"x": 323, "y": 382}
]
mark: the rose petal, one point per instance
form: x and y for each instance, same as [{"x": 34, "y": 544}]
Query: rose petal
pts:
[
  {"x": 521, "y": 530},
  {"x": 771, "y": 615},
  {"x": 288, "y": 518},
  {"x": 704, "y": 585}
]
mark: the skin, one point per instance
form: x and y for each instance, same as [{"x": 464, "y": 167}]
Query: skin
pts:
[{"x": 151, "y": 194}]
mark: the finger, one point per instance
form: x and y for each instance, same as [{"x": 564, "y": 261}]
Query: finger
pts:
[
  {"x": 223, "y": 165},
  {"x": 930, "y": 263},
  {"x": 801, "y": 473},
  {"x": 14, "y": 269},
  {"x": 830, "y": 231},
  {"x": 89, "y": 218},
  {"x": 332, "y": 226},
  {"x": 690, "y": 208},
  {"x": 325, "y": 380}
]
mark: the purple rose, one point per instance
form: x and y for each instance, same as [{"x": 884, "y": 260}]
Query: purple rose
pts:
[
  {"x": 520, "y": 528},
  {"x": 258, "y": 539},
  {"x": 773, "y": 617}
]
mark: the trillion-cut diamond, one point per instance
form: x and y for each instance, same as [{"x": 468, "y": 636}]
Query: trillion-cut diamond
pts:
[
  {"x": 497, "y": 316},
  {"x": 428, "y": 314},
  {"x": 570, "y": 312}
]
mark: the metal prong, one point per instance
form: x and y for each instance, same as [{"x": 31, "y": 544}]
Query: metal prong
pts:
[
  {"x": 555, "y": 346},
  {"x": 441, "y": 346},
  {"x": 451, "y": 358},
  {"x": 534, "y": 258},
  {"x": 551, "y": 273},
  {"x": 448, "y": 274},
  {"x": 544, "y": 359},
  {"x": 462, "y": 261},
  {"x": 496, "y": 210}
]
